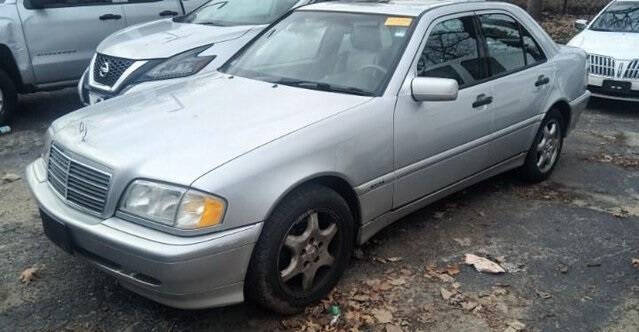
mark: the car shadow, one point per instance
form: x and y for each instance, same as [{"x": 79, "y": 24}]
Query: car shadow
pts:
[
  {"x": 36, "y": 111},
  {"x": 625, "y": 109}
]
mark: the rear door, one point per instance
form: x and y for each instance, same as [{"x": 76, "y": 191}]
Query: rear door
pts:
[
  {"x": 140, "y": 11},
  {"x": 521, "y": 78},
  {"x": 63, "y": 36}
]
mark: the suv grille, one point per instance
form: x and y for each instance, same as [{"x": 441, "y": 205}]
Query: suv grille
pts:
[
  {"x": 602, "y": 65},
  {"x": 633, "y": 70},
  {"x": 108, "y": 69},
  {"x": 78, "y": 184}
]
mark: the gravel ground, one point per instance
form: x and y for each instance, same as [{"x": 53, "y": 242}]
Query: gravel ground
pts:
[{"x": 567, "y": 246}]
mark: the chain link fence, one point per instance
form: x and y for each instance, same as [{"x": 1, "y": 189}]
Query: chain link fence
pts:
[{"x": 569, "y": 7}]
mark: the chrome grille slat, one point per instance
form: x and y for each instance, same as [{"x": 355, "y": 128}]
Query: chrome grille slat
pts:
[
  {"x": 78, "y": 184},
  {"x": 602, "y": 65},
  {"x": 633, "y": 70}
]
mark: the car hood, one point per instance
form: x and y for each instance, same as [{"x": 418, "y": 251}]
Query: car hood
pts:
[
  {"x": 616, "y": 44},
  {"x": 178, "y": 133},
  {"x": 165, "y": 38}
]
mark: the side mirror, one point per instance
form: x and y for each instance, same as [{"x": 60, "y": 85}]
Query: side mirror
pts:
[
  {"x": 434, "y": 89},
  {"x": 581, "y": 25}
]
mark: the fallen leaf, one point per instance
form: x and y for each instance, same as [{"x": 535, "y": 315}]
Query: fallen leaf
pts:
[
  {"x": 397, "y": 282},
  {"x": 10, "y": 177},
  {"x": 382, "y": 315},
  {"x": 452, "y": 270},
  {"x": 635, "y": 262},
  {"x": 469, "y": 306},
  {"x": 361, "y": 298},
  {"x": 446, "y": 294},
  {"x": 543, "y": 294},
  {"x": 516, "y": 325},
  {"x": 483, "y": 265},
  {"x": 394, "y": 259},
  {"x": 393, "y": 328},
  {"x": 29, "y": 275}
]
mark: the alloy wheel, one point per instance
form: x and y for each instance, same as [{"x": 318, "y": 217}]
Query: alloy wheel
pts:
[
  {"x": 549, "y": 146},
  {"x": 308, "y": 252}
]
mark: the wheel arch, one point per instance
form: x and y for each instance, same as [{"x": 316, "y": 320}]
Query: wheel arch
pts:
[
  {"x": 8, "y": 63},
  {"x": 334, "y": 181},
  {"x": 566, "y": 112}
]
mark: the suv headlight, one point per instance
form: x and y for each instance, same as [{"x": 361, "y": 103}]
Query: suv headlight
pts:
[
  {"x": 181, "y": 65},
  {"x": 173, "y": 206}
]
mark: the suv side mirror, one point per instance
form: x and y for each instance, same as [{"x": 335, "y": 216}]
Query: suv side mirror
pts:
[
  {"x": 581, "y": 25},
  {"x": 434, "y": 89}
]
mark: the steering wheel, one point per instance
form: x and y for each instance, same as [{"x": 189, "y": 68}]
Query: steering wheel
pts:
[{"x": 377, "y": 69}]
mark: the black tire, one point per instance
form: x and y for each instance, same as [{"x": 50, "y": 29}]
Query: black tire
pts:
[
  {"x": 9, "y": 98},
  {"x": 264, "y": 284},
  {"x": 532, "y": 171}
]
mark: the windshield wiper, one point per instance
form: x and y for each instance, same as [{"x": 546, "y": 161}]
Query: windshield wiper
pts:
[{"x": 324, "y": 87}]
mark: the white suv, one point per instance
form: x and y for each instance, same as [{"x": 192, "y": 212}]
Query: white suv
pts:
[{"x": 612, "y": 43}]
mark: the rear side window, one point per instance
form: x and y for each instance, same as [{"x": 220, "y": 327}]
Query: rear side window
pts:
[
  {"x": 452, "y": 51},
  {"x": 503, "y": 43}
]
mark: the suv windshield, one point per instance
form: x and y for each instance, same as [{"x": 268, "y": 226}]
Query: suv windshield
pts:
[
  {"x": 239, "y": 12},
  {"x": 619, "y": 17},
  {"x": 338, "y": 52}
]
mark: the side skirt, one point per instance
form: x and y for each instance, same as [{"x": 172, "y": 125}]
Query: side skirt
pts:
[{"x": 371, "y": 228}]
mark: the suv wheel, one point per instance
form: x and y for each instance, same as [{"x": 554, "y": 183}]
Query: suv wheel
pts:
[
  {"x": 303, "y": 250},
  {"x": 546, "y": 150},
  {"x": 8, "y": 98}
]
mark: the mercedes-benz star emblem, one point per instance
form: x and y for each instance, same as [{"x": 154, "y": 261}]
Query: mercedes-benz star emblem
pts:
[{"x": 104, "y": 69}]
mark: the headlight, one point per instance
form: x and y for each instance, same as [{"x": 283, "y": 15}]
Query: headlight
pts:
[
  {"x": 172, "y": 205},
  {"x": 181, "y": 65}
]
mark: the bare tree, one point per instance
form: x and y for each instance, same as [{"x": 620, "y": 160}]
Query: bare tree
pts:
[{"x": 535, "y": 7}]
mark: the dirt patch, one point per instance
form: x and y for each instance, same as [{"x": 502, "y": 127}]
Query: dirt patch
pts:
[{"x": 630, "y": 162}]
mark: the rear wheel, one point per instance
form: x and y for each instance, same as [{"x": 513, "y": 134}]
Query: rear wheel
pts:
[
  {"x": 302, "y": 252},
  {"x": 545, "y": 152},
  {"x": 8, "y": 98}
]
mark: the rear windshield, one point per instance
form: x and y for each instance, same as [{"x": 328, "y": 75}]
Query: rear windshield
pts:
[
  {"x": 238, "y": 12},
  {"x": 619, "y": 17}
]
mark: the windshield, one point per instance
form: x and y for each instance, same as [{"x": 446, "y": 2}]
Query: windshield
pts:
[
  {"x": 619, "y": 17},
  {"x": 339, "y": 52},
  {"x": 239, "y": 12}
]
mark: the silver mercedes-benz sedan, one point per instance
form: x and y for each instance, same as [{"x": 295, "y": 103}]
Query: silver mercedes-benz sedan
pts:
[{"x": 258, "y": 180}]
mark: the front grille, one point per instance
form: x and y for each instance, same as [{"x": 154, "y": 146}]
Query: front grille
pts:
[
  {"x": 108, "y": 69},
  {"x": 602, "y": 65},
  {"x": 633, "y": 70},
  {"x": 78, "y": 184}
]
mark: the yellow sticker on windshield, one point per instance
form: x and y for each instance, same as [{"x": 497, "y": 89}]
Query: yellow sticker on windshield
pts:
[{"x": 398, "y": 21}]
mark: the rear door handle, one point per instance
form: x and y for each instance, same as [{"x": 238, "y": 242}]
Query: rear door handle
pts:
[
  {"x": 110, "y": 17},
  {"x": 482, "y": 100},
  {"x": 542, "y": 80},
  {"x": 168, "y": 13}
]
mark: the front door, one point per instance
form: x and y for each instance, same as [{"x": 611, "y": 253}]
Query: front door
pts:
[
  {"x": 63, "y": 36},
  {"x": 440, "y": 143}
]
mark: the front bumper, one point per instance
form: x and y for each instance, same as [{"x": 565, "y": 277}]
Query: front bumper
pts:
[
  {"x": 596, "y": 86},
  {"x": 188, "y": 273}
]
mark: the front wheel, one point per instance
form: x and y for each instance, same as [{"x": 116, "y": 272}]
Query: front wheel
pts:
[
  {"x": 8, "y": 98},
  {"x": 546, "y": 149},
  {"x": 302, "y": 252}
]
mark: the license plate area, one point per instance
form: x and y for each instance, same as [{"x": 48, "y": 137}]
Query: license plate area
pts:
[
  {"x": 617, "y": 86},
  {"x": 57, "y": 232}
]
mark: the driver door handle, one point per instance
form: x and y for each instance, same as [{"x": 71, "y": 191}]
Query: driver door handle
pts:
[
  {"x": 482, "y": 100},
  {"x": 110, "y": 17},
  {"x": 168, "y": 13},
  {"x": 542, "y": 80}
]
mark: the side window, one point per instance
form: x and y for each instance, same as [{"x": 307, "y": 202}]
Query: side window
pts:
[
  {"x": 69, "y": 3},
  {"x": 452, "y": 51},
  {"x": 534, "y": 54},
  {"x": 504, "y": 43}
]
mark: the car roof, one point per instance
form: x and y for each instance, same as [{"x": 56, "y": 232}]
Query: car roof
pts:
[{"x": 388, "y": 7}]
